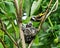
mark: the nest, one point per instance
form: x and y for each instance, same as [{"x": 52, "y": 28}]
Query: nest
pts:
[{"x": 29, "y": 32}]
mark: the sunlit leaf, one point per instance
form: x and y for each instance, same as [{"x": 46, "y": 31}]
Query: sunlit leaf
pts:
[
  {"x": 35, "y": 6},
  {"x": 1, "y": 46}
]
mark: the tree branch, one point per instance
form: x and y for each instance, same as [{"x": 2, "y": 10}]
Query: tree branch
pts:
[
  {"x": 19, "y": 21},
  {"x": 56, "y": 6},
  {"x": 3, "y": 43},
  {"x": 4, "y": 30},
  {"x": 43, "y": 17},
  {"x": 52, "y": 9},
  {"x": 20, "y": 26},
  {"x": 17, "y": 7},
  {"x": 30, "y": 44},
  {"x": 11, "y": 38}
]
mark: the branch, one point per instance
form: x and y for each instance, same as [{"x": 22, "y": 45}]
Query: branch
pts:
[
  {"x": 56, "y": 6},
  {"x": 30, "y": 44},
  {"x": 4, "y": 30},
  {"x": 20, "y": 26},
  {"x": 17, "y": 7},
  {"x": 3, "y": 43},
  {"x": 52, "y": 9},
  {"x": 19, "y": 21},
  {"x": 43, "y": 19},
  {"x": 11, "y": 38}
]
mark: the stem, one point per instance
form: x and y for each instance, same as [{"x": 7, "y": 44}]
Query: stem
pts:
[
  {"x": 20, "y": 26},
  {"x": 52, "y": 9},
  {"x": 22, "y": 37},
  {"x": 11, "y": 38},
  {"x": 17, "y": 7},
  {"x": 56, "y": 6},
  {"x": 50, "y": 22},
  {"x": 3, "y": 43},
  {"x": 43, "y": 17},
  {"x": 30, "y": 44},
  {"x": 19, "y": 21},
  {"x": 4, "y": 30}
]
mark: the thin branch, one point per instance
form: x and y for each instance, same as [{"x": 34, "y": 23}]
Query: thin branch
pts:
[
  {"x": 30, "y": 44},
  {"x": 4, "y": 30},
  {"x": 17, "y": 7},
  {"x": 43, "y": 17},
  {"x": 50, "y": 22},
  {"x": 56, "y": 6},
  {"x": 19, "y": 21},
  {"x": 3, "y": 43},
  {"x": 11, "y": 38},
  {"x": 52, "y": 9},
  {"x": 18, "y": 41},
  {"x": 20, "y": 26}
]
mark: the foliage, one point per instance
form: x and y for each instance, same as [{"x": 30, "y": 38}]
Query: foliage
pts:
[{"x": 48, "y": 36}]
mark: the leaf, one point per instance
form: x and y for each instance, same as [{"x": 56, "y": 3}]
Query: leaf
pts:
[
  {"x": 35, "y": 6},
  {"x": 36, "y": 24},
  {"x": 9, "y": 7},
  {"x": 1, "y": 46},
  {"x": 1, "y": 34},
  {"x": 27, "y": 20},
  {"x": 27, "y": 6},
  {"x": 2, "y": 11},
  {"x": 8, "y": 42},
  {"x": 36, "y": 41},
  {"x": 7, "y": 11},
  {"x": 2, "y": 4},
  {"x": 16, "y": 30}
]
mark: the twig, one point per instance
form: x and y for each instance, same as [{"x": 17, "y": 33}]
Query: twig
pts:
[
  {"x": 11, "y": 38},
  {"x": 4, "y": 30},
  {"x": 30, "y": 44},
  {"x": 3, "y": 43},
  {"x": 52, "y": 9},
  {"x": 56, "y": 6},
  {"x": 18, "y": 41},
  {"x": 43, "y": 17},
  {"x": 17, "y": 7},
  {"x": 50, "y": 21},
  {"x": 19, "y": 21}
]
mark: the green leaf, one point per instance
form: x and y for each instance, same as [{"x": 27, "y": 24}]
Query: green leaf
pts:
[
  {"x": 27, "y": 6},
  {"x": 36, "y": 24},
  {"x": 1, "y": 34},
  {"x": 27, "y": 20},
  {"x": 1, "y": 46},
  {"x": 16, "y": 30},
  {"x": 9, "y": 7},
  {"x": 35, "y": 7},
  {"x": 2, "y": 11},
  {"x": 8, "y": 42},
  {"x": 36, "y": 41}
]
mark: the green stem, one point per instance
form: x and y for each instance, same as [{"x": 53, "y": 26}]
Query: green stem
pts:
[{"x": 50, "y": 22}]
